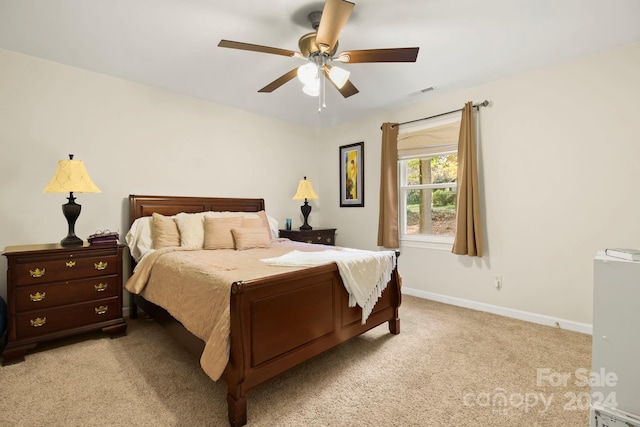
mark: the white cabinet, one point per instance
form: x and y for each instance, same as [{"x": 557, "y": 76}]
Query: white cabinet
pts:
[{"x": 615, "y": 379}]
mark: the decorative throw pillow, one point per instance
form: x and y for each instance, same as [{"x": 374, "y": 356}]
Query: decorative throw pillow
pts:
[
  {"x": 265, "y": 220},
  {"x": 248, "y": 238},
  {"x": 271, "y": 222},
  {"x": 164, "y": 231},
  {"x": 191, "y": 227},
  {"x": 217, "y": 232},
  {"x": 251, "y": 222}
]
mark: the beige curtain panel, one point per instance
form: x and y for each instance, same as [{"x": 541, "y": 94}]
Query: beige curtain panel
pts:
[
  {"x": 468, "y": 239},
  {"x": 388, "y": 221}
]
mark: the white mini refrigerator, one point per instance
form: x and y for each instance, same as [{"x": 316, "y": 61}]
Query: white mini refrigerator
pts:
[{"x": 615, "y": 377}]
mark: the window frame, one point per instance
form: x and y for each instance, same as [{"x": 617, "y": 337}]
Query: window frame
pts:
[{"x": 431, "y": 241}]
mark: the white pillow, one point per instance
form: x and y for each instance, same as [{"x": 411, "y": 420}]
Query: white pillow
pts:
[
  {"x": 273, "y": 225},
  {"x": 191, "y": 226},
  {"x": 139, "y": 238}
]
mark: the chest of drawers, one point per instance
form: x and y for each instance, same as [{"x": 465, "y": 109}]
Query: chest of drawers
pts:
[{"x": 54, "y": 292}]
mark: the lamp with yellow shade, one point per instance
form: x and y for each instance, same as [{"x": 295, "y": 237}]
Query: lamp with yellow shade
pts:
[
  {"x": 71, "y": 177},
  {"x": 305, "y": 192}
]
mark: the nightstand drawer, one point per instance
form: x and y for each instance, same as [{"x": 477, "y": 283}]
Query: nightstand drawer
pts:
[
  {"x": 323, "y": 240},
  {"x": 33, "y": 270},
  {"x": 318, "y": 236},
  {"x": 41, "y": 322},
  {"x": 55, "y": 294}
]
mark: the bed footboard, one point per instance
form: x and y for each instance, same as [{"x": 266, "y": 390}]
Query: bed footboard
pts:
[{"x": 272, "y": 332}]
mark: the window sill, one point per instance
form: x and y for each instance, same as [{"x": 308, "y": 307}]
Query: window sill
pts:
[{"x": 432, "y": 242}]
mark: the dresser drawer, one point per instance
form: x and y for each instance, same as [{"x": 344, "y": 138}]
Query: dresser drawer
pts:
[
  {"x": 41, "y": 322},
  {"x": 34, "y": 270},
  {"x": 54, "y": 294}
]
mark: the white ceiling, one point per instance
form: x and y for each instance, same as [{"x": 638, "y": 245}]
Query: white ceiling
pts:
[{"x": 172, "y": 44}]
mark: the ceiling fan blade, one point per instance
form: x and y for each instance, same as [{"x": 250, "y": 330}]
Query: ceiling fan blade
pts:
[
  {"x": 402, "y": 54},
  {"x": 256, "y": 48},
  {"x": 346, "y": 90},
  {"x": 279, "y": 81},
  {"x": 335, "y": 15}
]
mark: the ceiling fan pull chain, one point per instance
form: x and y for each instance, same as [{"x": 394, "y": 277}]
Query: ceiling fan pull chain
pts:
[
  {"x": 323, "y": 82},
  {"x": 320, "y": 94}
]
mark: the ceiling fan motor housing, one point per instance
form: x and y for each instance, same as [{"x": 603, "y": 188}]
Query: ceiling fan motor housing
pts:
[{"x": 308, "y": 46}]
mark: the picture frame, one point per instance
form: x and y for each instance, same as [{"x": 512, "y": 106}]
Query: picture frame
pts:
[{"x": 352, "y": 175}]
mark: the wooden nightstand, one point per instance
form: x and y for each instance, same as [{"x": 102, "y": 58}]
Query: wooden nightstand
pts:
[
  {"x": 321, "y": 236},
  {"x": 54, "y": 292}
]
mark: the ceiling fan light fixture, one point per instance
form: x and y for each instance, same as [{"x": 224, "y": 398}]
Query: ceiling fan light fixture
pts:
[
  {"x": 307, "y": 73},
  {"x": 312, "y": 88},
  {"x": 339, "y": 76}
]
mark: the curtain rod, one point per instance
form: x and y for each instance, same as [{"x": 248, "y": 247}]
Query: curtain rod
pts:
[{"x": 477, "y": 106}]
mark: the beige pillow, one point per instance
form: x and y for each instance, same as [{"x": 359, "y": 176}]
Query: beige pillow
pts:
[
  {"x": 251, "y": 222},
  {"x": 260, "y": 222},
  {"x": 191, "y": 227},
  {"x": 164, "y": 231},
  {"x": 251, "y": 237},
  {"x": 217, "y": 232}
]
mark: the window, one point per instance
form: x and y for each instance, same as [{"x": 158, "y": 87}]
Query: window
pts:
[
  {"x": 428, "y": 197},
  {"x": 427, "y": 174}
]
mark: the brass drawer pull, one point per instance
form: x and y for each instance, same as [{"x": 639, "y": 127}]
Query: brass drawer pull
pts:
[
  {"x": 328, "y": 239},
  {"x": 37, "y": 297},
  {"x": 37, "y": 322},
  {"x": 70, "y": 263},
  {"x": 101, "y": 287},
  {"x": 37, "y": 272},
  {"x": 319, "y": 237},
  {"x": 102, "y": 309},
  {"x": 100, "y": 265}
]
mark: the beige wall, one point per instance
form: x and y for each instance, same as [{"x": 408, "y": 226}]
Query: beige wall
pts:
[
  {"x": 558, "y": 152},
  {"x": 133, "y": 139}
]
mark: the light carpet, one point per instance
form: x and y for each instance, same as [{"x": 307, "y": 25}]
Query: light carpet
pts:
[{"x": 449, "y": 366}]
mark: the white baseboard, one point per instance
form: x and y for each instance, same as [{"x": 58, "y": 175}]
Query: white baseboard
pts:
[{"x": 541, "y": 319}]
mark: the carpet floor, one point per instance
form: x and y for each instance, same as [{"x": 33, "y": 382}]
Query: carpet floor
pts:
[{"x": 449, "y": 366}]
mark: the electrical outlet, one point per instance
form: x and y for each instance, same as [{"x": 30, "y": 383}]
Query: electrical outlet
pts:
[{"x": 497, "y": 282}]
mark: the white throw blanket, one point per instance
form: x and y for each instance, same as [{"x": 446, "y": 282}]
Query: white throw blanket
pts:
[{"x": 365, "y": 274}]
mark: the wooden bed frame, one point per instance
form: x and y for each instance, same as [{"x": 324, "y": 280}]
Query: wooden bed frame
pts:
[{"x": 277, "y": 322}]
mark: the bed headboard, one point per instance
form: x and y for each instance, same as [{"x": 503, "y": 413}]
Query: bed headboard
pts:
[{"x": 140, "y": 206}]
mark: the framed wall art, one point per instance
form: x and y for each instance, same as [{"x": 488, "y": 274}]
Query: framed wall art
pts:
[{"x": 352, "y": 175}]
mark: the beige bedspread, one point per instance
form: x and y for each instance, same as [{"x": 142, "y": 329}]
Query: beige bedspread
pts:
[
  {"x": 180, "y": 280},
  {"x": 194, "y": 286}
]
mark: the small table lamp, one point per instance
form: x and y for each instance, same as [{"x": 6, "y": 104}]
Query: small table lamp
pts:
[
  {"x": 70, "y": 177},
  {"x": 305, "y": 191}
]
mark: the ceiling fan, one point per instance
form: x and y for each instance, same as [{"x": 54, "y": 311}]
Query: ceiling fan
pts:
[{"x": 320, "y": 47}]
